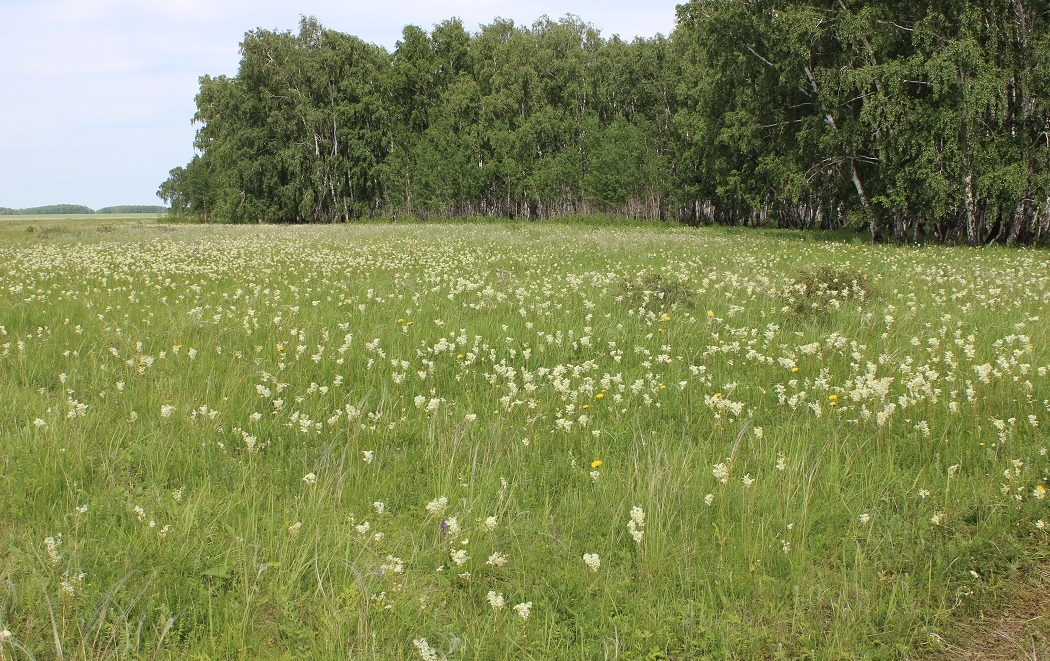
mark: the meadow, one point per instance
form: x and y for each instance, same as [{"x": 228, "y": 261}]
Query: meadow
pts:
[{"x": 508, "y": 441}]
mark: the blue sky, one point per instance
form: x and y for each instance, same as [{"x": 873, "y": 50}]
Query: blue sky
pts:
[{"x": 97, "y": 95}]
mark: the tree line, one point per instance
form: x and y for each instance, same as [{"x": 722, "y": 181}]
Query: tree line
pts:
[
  {"x": 51, "y": 209},
  {"x": 919, "y": 120}
]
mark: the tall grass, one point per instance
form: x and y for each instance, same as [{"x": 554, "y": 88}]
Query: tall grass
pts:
[{"x": 377, "y": 441}]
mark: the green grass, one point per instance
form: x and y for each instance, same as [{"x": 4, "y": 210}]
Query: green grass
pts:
[{"x": 884, "y": 444}]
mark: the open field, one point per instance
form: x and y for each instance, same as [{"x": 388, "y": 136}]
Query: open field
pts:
[{"x": 517, "y": 441}]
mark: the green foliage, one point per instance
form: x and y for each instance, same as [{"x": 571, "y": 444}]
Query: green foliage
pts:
[
  {"x": 920, "y": 121},
  {"x": 133, "y": 208},
  {"x": 50, "y": 209}
]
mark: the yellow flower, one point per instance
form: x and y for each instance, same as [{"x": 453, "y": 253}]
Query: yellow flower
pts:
[
  {"x": 600, "y": 395},
  {"x": 718, "y": 394},
  {"x": 833, "y": 397},
  {"x": 400, "y": 321},
  {"x": 596, "y": 463},
  {"x": 663, "y": 387},
  {"x": 586, "y": 406},
  {"x": 666, "y": 317},
  {"x": 459, "y": 356},
  {"x": 710, "y": 314},
  {"x": 794, "y": 369},
  {"x": 280, "y": 347}
]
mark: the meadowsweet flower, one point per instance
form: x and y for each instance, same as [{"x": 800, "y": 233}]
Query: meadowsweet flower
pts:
[
  {"x": 937, "y": 518},
  {"x": 39, "y": 422},
  {"x": 310, "y": 479},
  {"x": 1039, "y": 492},
  {"x": 437, "y": 505},
  {"x": 166, "y": 410},
  {"x": 593, "y": 561},
  {"x": 708, "y": 499},
  {"x": 459, "y": 556},
  {"x": 294, "y": 528},
  {"x": 495, "y": 600},
  {"x": 595, "y": 475},
  {"x": 781, "y": 461},
  {"x": 497, "y": 559},
  {"x": 426, "y": 652},
  {"x": 393, "y": 565},
  {"x": 747, "y": 480},
  {"x": 368, "y": 456},
  {"x": 721, "y": 473},
  {"x": 379, "y": 506},
  {"x": 490, "y": 523},
  {"x": 52, "y": 544},
  {"x": 864, "y": 518},
  {"x": 524, "y": 610},
  {"x": 6, "y": 635}
]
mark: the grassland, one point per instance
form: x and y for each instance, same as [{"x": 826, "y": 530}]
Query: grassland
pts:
[{"x": 514, "y": 441}]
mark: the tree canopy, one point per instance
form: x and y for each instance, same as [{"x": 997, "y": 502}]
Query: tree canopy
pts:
[{"x": 910, "y": 120}]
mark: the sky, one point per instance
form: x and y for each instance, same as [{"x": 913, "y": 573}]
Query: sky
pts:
[{"x": 96, "y": 96}]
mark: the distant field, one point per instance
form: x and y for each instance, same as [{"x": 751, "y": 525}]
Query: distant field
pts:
[{"x": 509, "y": 441}]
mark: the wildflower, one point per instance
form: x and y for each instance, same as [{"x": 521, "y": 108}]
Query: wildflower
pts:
[
  {"x": 497, "y": 559},
  {"x": 708, "y": 499},
  {"x": 6, "y": 635},
  {"x": 39, "y": 422},
  {"x": 166, "y": 410},
  {"x": 721, "y": 473},
  {"x": 495, "y": 600},
  {"x": 379, "y": 506},
  {"x": 593, "y": 561},
  {"x": 864, "y": 518},
  {"x": 294, "y": 528},
  {"x": 710, "y": 314},
  {"x": 595, "y": 475},
  {"x": 427, "y": 652},
  {"x": 781, "y": 461},
  {"x": 437, "y": 505},
  {"x": 459, "y": 557},
  {"x": 596, "y": 463},
  {"x": 177, "y": 494},
  {"x": 747, "y": 480},
  {"x": 393, "y": 565},
  {"x": 924, "y": 493},
  {"x": 310, "y": 479},
  {"x": 1039, "y": 492},
  {"x": 368, "y": 456},
  {"x": 490, "y": 523},
  {"x": 937, "y": 518},
  {"x": 952, "y": 470},
  {"x": 52, "y": 544},
  {"x": 523, "y": 610}
]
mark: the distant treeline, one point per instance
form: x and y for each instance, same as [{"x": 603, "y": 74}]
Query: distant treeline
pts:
[
  {"x": 81, "y": 209},
  {"x": 910, "y": 120}
]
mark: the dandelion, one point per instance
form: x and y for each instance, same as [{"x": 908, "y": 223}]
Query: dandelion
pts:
[
  {"x": 596, "y": 463},
  {"x": 593, "y": 561},
  {"x": 523, "y": 610},
  {"x": 495, "y": 600}
]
